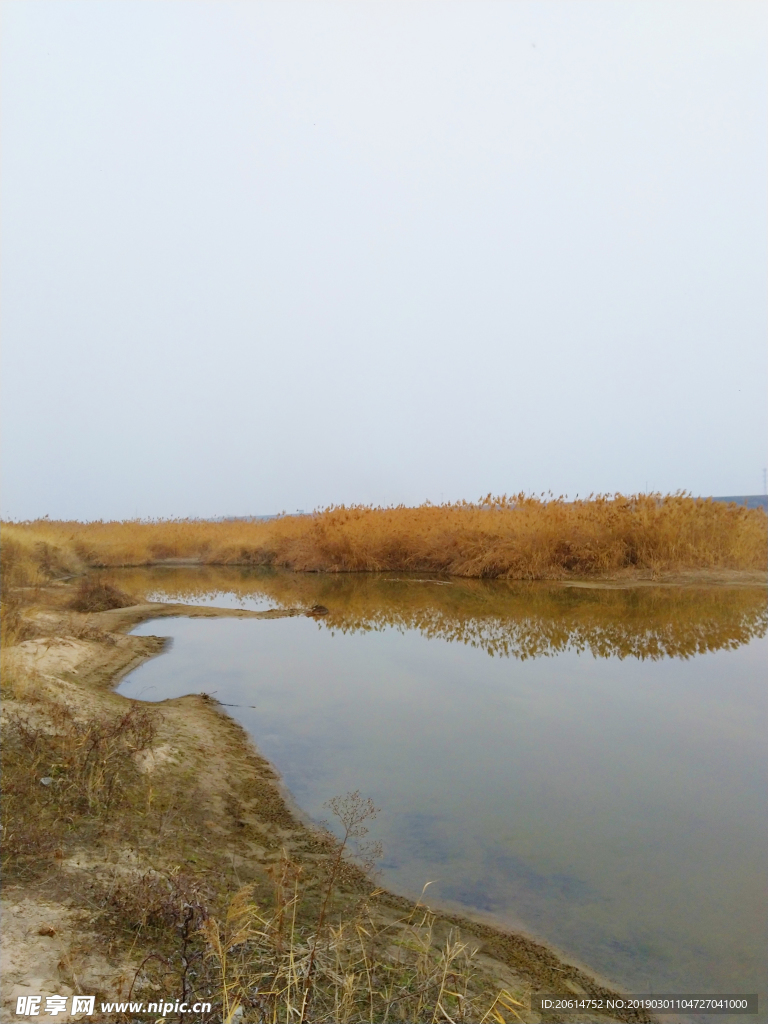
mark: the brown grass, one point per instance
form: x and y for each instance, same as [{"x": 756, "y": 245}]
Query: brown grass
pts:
[{"x": 512, "y": 538}]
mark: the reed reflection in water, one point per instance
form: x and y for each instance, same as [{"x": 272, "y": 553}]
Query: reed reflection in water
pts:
[
  {"x": 502, "y": 618},
  {"x": 599, "y": 781}
]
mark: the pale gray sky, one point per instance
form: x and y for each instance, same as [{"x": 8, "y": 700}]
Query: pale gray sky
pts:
[{"x": 261, "y": 256}]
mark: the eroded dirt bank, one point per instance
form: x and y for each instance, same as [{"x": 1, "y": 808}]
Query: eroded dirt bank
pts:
[{"x": 205, "y": 815}]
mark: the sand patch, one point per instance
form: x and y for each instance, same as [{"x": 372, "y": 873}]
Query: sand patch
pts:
[{"x": 46, "y": 949}]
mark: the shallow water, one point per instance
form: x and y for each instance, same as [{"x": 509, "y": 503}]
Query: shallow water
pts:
[{"x": 588, "y": 765}]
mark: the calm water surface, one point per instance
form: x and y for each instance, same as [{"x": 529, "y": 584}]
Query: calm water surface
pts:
[{"x": 587, "y": 765}]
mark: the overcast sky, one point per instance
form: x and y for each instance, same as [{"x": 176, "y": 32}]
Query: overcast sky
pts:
[{"x": 261, "y": 256}]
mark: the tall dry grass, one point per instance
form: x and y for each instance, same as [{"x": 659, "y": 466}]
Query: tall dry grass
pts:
[
  {"x": 521, "y": 537},
  {"x": 18, "y": 575},
  {"x": 359, "y": 969}
]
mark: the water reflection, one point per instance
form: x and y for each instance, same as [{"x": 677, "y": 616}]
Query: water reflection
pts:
[
  {"x": 509, "y": 619},
  {"x": 595, "y": 784}
]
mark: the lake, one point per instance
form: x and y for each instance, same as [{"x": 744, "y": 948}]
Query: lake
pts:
[{"x": 587, "y": 765}]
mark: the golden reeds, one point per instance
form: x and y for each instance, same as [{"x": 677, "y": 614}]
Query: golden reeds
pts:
[{"x": 511, "y": 538}]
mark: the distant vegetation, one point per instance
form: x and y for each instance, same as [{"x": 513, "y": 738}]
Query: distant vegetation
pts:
[{"x": 509, "y": 538}]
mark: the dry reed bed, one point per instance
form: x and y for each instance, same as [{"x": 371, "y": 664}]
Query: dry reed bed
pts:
[{"x": 510, "y": 538}]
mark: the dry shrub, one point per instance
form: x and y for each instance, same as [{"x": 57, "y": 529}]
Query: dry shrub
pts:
[
  {"x": 19, "y": 685},
  {"x": 252, "y": 964},
  {"x": 521, "y": 537},
  {"x": 95, "y": 594}
]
